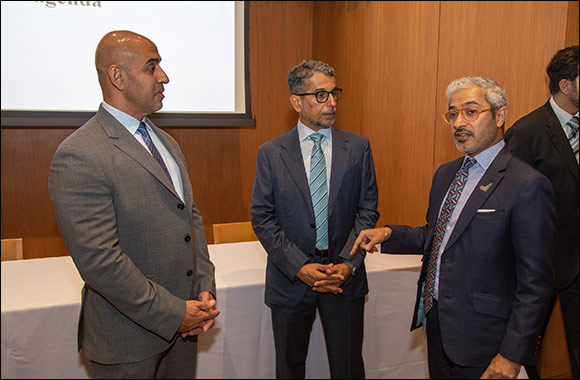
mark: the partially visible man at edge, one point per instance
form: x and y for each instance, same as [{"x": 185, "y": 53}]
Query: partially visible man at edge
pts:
[{"x": 547, "y": 139}]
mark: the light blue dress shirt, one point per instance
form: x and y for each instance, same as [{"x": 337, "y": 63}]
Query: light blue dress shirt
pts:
[
  {"x": 476, "y": 172},
  {"x": 132, "y": 125},
  {"x": 306, "y": 145},
  {"x": 563, "y": 116}
]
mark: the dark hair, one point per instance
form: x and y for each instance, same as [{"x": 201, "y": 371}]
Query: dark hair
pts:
[
  {"x": 564, "y": 65},
  {"x": 298, "y": 74}
]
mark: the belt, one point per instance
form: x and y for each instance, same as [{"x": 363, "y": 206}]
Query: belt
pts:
[{"x": 321, "y": 252}]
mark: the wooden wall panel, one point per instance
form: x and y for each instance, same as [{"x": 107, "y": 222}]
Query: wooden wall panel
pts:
[
  {"x": 384, "y": 54},
  {"x": 394, "y": 60},
  {"x": 510, "y": 41},
  {"x": 26, "y": 208},
  {"x": 572, "y": 27}
]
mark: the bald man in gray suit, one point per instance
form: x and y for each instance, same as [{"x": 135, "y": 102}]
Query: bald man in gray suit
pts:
[{"x": 124, "y": 206}]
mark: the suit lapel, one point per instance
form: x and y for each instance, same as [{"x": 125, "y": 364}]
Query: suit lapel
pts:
[
  {"x": 559, "y": 139},
  {"x": 291, "y": 156},
  {"x": 446, "y": 177},
  {"x": 340, "y": 156},
  {"x": 127, "y": 143},
  {"x": 483, "y": 190}
]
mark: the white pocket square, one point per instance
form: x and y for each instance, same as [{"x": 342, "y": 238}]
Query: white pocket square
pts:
[{"x": 486, "y": 210}]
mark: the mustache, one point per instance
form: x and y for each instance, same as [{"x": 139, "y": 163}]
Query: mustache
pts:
[{"x": 462, "y": 130}]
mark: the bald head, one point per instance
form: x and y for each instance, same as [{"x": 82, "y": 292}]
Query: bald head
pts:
[
  {"x": 117, "y": 48},
  {"x": 129, "y": 73}
]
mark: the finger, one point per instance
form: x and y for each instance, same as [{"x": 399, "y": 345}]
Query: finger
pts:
[
  {"x": 328, "y": 289},
  {"x": 356, "y": 244},
  {"x": 208, "y": 325},
  {"x": 207, "y": 305}
]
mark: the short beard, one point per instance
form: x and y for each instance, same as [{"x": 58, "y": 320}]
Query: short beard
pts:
[{"x": 319, "y": 124}]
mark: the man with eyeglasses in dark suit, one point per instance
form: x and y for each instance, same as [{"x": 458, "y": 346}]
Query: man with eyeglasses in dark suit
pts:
[{"x": 314, "y": 191}]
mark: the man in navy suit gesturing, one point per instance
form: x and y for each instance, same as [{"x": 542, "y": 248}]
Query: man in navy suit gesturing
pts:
[{"x": 488, "y": 246}]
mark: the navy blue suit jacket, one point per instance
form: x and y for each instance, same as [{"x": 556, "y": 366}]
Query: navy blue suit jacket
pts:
[
  {"x": 283, "y": 217},
  {"x": 496, "y": 271}
]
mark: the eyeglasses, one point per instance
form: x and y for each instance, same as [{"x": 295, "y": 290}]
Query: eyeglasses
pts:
[
  {"x": 322, "y": 96},
  {"x": 469, "y": 114}
]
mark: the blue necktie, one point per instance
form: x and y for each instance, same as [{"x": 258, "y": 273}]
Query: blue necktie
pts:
[
  {"x": 319, "y": 191},
  {"x": 142, "y": 130},
  {"x": 450, "y": 202}
]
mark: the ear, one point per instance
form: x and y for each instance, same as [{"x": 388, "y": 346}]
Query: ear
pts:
[
  {"x": 296, "y": 102},
  {"x": 116, "y": 77},
  {"x": 565, "y": 86},
  {"x": 501, "y": 116}
]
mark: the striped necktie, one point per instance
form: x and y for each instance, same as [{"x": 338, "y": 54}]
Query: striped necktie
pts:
[
  {"x": 319, "y": 191},
  {"x": 572, "y": 124},
  {"x": 450, "y": 202},
  {"x": 142, "y": 130}
]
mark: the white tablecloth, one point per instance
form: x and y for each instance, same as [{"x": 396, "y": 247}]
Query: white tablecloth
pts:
[{"x": 41, "y": 302}]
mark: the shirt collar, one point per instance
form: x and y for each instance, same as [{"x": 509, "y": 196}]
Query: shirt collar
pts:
[
  {"x": 125, "y": 119},
  {"x": 304, "y": 132},
  {"x": 485, "y": 158},
  {"x": 562, "y": 115}
]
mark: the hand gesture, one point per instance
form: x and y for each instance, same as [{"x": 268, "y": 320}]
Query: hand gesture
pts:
[
  {"x": 199, "y": 315},
  {"x": 368, "y": 239}
]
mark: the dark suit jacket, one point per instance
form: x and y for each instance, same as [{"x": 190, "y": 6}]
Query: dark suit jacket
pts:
[
  {"x": 283, "y": 217},
  {"x": 497, "y": 268},
  {"x": 139, "y": 248},
  {"x": 538, "y": 138}
]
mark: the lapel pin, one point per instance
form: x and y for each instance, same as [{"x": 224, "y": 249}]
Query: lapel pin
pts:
[{"x": 486, "y": 187}]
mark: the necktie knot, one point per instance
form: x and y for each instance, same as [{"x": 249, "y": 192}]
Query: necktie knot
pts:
[
  {"x": 317, "y": 138},
  {"x": 469, "y": 162}
]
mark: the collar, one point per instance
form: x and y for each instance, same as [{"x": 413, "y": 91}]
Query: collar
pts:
[
  {"x": 485, "y": 158},
  {"x": 304, "y": 132},
  {"x": 562, "y": 115},
  {"x": 125, "y": 119}
]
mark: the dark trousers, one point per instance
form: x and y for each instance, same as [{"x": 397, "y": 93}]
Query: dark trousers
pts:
[
  {"x": 342, "y": 323},
  {"x": 440, "y": 366},
  {"x": 178, "y": 362}
]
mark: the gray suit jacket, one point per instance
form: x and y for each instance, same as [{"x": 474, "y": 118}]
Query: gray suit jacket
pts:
[
  {"x": 283, "y": 216},
  {"x": 140, "y": 250}
]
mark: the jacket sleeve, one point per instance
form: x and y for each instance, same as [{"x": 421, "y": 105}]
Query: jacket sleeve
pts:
[
  {"x": 283, "y": 253},
  {"x": 533, "y": 235},
  {"x": 367, "y": 215}
]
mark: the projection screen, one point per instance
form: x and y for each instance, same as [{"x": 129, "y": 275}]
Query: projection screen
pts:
[{"x": 48, "y": 71}]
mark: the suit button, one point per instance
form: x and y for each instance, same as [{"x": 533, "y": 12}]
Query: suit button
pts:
[
  {"x": 449, "y": 260},
  {"x": 187, "y": 239},
  {"x": 313, "y": 225},
  {"x": 189, "y": 273},
  {"x": 181, "y": 206}
]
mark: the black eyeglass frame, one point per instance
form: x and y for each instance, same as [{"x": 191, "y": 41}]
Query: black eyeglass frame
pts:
[{"x": 336, "y": 94}]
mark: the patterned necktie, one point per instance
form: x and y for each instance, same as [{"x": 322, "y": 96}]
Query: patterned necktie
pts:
[
  {"x": 142, "y": 130},
  {"x": 319, "y": 191},
  {"x": 573, "y": 138},
  {"x": 450, "y": 202}
]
